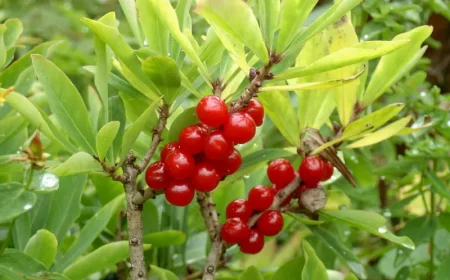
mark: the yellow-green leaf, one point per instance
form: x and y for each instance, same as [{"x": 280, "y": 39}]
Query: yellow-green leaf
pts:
[
  {"x": 42, "y": 246},
  {"x": 269, "y": 11},
  {"x": 314, "y": 268},
  {"x": 156, "y": 33},
  {"x": 105, "y": 138},
  {"x": 78, "y": 163}
]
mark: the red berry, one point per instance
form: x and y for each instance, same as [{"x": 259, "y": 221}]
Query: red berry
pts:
[
  {"x": 312, "y": 170},
  {"x": 254, "y": 243},
  {"x": 154, "y": 176},
  {"x": 240, "y": 128},
  {"x": 261, "y": 197},
  {"x": 270, "y": 223},
  {"x": 179, "y": 193},
  {"x": 255, "y": 110},
  {"x": 229, "y": 165},
  {"x": 234, "y": 231},
  {"x": 278, "y": 188},
  {"x": 280, "y": 172},
  {"x": 168, "y": 148},
  {"x": 205, "y": 177},
  {"x": 328, "y": 171},
  {"x": 179, "y": 165},
  {"x": 212, "y": 111},
  {"x": 239, "y": 208},
  {"x": 217, "y": 147},
  {"x": 192, "y": 139}
]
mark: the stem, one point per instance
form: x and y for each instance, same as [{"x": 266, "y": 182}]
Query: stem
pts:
[
  {"x": 432, "y": 215},
  {"x": 30, "y": 178}
]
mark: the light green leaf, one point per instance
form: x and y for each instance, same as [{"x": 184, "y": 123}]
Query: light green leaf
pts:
[
  {"x": 105, "y": 138},
  {"x": 156, "y": 33},
  {"x": 278, "y": 107},
  {"x": 21, "y": 231},
  {"x": 305, "y": 221},
  {"x": 368, "y": 221},
  {"x": 13, "y": 30},
  {"x": 78, "y": 163},
  {"x": 236, "y": 18},
  {"x": 182, "y": 9},
  {"x": 163, "y": 274},
  {"x": 133, "y": 131},
  {"x": 268, "y": 14},
  {"x": 128, "y": 59},
  {"x": 129, "y": 10},
  {"x": 42, "y": 246},
  {"x": 14, "y": 200},
  {"x": 104, "y": 257},
  {"x": 293, "y": 15},
  {"x": 336, "y": 199},
  {"x": 2, "y": 47},
  {"x": 165, "y": 238},
  {"x": 251, "y": 273},
  {"x": 339, "y": 248},
  {"x": 135, "y": 105},
  {"x": 394, "y": 66},
  {"x": 11, "y": 125},
  {"x": 164, "y": 73},
  {"x": 293, "y": 267},
  {"x": 438, "y": 185},
  {"x": 381, "y": 134},
  {"x": 20, "y": 263},
  {"x": 25, "y": 81},
  {"x": 65, "y": 102},
  {"x": 88, "y": 234},
  {"x": 314, "y": 268}
]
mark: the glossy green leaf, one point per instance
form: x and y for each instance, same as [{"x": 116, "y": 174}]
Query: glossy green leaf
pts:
[
  {"x": 314, "y": 268},
  {"x": 129, "y": 9},
  {"x": 251, "y": 273},
  {"x": 293, "y": 267},
  {"x": 104, "y": 257},
  {"x": 236, "y": 18},
  {"x": 293, "y": 15},
  {"x": 88, "y": 234},
  {"x": 14, "y": 200},
  {"x": 78, "y": 163},
  {"x": 165, "y": 238},
  {"x": 132, "y": 132},
  {"x": 268, "y": 14},
  {"x": 126, "y": 55},
  {"x": 438, "y": 184},
  {"x": 65, "y": 102},
  {"x": 167, "y": 15},
  {"x": 19, "y": 262},
  {"x": 42, "y": 246},
  {"x": 105, "y": 138},
  {"x": 163, "y": 274},
  {"x": 65, "y": 205},
  {"x": 338, "y": 247},
  {"x": 394, "y": 66},
  {"x": 381, "y": 134},
  {"x": 368, "y": 221},
  {"x": 278, "y": 107},
  {"x": 163, "y": 72},
  {"x": 155, "y": 32},
  {"x": 187, "y": 117}
]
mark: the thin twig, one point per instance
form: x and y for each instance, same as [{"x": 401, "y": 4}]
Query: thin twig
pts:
[
  {"x": 111, "y": 170},
  {"x": 199, "y": 273},
  {"x": 141, "y": 196}
]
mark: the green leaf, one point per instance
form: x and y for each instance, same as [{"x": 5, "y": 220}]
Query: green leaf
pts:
[
  {"x": 25, "y": 80},
  {"x": 10, "y": 126},
  {"x": 268, "y": 13},
  {"x": 437, "y": 184},
  {"x": 2, "y": 47},
  {"x": 104, "y": 257},
  {"x": 314, "y": 268},
  {"x": 305, "y": 221},
  {"x": 129, "y": 10},
  {"x": 88, "y": 234},
  {"x": 14, "y": 200},
  {"x": 106, "y": 188},
  {"x": 368, "y": 221},
  {"x": 187, "y": 117},
  {"x": 42, "y": 246},
  {"x": 336, "y": 199},
  {"x": 164, "y": 73},
  {"x": 13, "y": 30},
  {"x": 236, "y": 18},
  {"x": 65, "y": 102},
  {"x": 132, "y": 132},
  {"x": 278, "y": 107},
  {"x": 117, "y": 113},
  {"x": 135, "y": 105},
  {"x": 165, "y": 238},
  {"x": 156, "y": 33},
  {"x": 21, "y": 231},
  {"x": 20, "y": 263},
  {"x": 443, "y": 271},
  {"x": 78, "y": 163},
  {"x": 251, "y": 273},
  {"x": 65, "y": 205},
  {"x": 105, "y": 138},
  {"x": 381, "y": 134},
  {"x": 394, "y": 66},
  {"x": 163, "y": 274},
  {"x": 339, "y": 248},
  {"x": 293, "y": 267},
  {"x": 128, "y": 59},
  {"x": 293, "y": 15}
]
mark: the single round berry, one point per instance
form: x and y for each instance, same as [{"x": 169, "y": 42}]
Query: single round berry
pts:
[
  {"x": 229, "y": 165},
  {"x": 212, "y": 111},
  {"x": 240, "y": 128},
  {"x": 167, "y": 149},
  {"x": 278, "y": 188},
  {"x": 179, "y": 165},
  {"x": 192, "y": 139},
  {"x": 239, "y": 208},
  {"x": 254, "y": 243},
  {"x": 261, "y": 197},
  {"x": 280, "y": 172},
  {"x": 311, "y": 170},
  {"x": 155, "y": 177},
  {"x": 179, "y": 193},
  {"x": 255, "y": 110},
  {"x": 205, "y": 177},
  {"x": 328, "y": 171},
  {"x": 234, "y": 231},
  {"x": 217, "y": 147},
  {"x": 270, "y": 223}
]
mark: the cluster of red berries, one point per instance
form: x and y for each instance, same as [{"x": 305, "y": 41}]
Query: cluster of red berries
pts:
[
  {"x": 260, "y": 198},
  {"x": 204, "y": 153}
]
